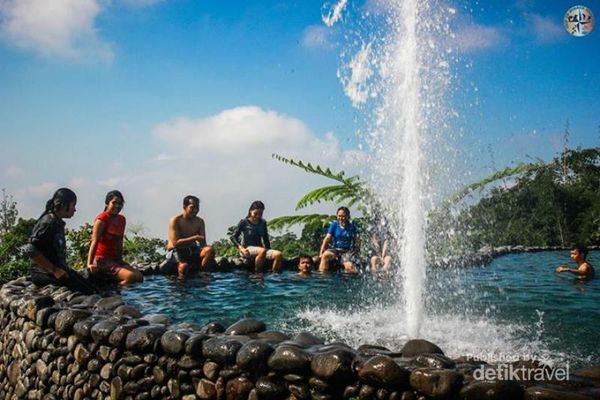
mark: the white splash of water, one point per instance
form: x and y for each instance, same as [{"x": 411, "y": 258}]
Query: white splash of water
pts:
[
  {"x": 356, "y": 86},
  {"x": 334, "y": 13}
]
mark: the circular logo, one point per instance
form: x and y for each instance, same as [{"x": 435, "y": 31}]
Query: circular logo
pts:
[{"x": 579, "y": 21}]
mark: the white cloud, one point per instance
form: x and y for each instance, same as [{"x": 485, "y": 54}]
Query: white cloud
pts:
[
  {"x": 334, "y": 13},
  {"x": 475, "y": 37},
  {"x": 55, "y": 28},
  {"x": 12, "y": 172},
  {"x": 226, "y": 160},
  {"x": 546, "y": 29},
  {"x": 317, "y": 36}
]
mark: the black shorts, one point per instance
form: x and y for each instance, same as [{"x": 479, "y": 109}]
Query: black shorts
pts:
[
  {"x": 343, "y": 255},
  {"x": 187, "y": 255}
]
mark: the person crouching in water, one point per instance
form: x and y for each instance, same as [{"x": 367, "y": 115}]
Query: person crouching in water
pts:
[
  {"x": 305, "y": 265},
  {"x": 106, "y": 247},
  {"x": 187, "y": 239},
  {"x": 584, "y": 269},
  {"x": 47, "y": 246},
  {"x": 344, "y": 235},
  {"x": 255, "y": 239}
]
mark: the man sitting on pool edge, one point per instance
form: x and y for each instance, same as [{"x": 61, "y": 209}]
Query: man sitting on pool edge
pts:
[
  {"x": 584, "y": 269},
  {"x": 187, "y": 239}
]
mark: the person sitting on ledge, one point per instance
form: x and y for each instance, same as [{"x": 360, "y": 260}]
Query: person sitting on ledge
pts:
[
  {"x": 255, "y": 239},
  {"x": 47, "y": 246},
  {"x": 106, "y": 247},
  {"x": 584, "y": 269},
  {"x": 345, "y": 240},
  {"x": 305, "y": 265},
  {"x": 187, "y": 239}
]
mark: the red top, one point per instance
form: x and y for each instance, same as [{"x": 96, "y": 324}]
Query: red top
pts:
[{"x": 109, "y": 242}]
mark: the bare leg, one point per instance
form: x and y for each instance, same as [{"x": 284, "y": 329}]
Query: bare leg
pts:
[
  {"x": 387, "y": 261},
  {"x": 277, "y": 257},
  {"x": 182, "y": 269},
  {"x": 207, "y": 255},
  {"x": 374, "y": 262},
  {"x": 349, "y": 267},
  {"x": 259, "y": 262},
  {"x": 326, "y": 259},
  {"x": 127, "y": 274}
]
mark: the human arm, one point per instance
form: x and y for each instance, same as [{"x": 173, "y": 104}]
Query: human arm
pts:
[
  {"x": 265, "y": 239},
  {"x": 41, "y": 260},
  {"x": 384, "y": 248},
  {"x": 97, "y": 232},
  {"x": 326, "y": 241},
  {"x": 235, "y": 238},
  {"x": 583, "y": 270}
]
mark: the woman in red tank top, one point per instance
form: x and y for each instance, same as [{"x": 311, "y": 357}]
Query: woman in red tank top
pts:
[{"x": 106, "y": 247}]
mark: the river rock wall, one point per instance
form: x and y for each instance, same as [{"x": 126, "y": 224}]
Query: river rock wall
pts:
[{"x": 58, "y": 344}]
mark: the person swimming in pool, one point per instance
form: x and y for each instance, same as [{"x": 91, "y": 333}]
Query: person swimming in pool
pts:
[{"x": 584, "y": 269}]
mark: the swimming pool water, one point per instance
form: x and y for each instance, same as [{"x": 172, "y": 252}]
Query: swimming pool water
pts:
[{"x": 516, "y": 305}]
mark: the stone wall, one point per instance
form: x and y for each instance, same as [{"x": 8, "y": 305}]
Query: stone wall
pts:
[{"x": 57, "y": 344}]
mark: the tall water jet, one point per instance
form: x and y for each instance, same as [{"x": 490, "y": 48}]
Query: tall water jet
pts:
[{"x": 402, "y": 70}]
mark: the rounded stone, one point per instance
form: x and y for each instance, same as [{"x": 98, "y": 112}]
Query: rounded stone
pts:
[
  {"x": 289, "y": 360},
  {"x": 118, "y": 336},
  {"x": 212, "y": 328},
  {"x": 193, "y": 346},
  {"x": 334, "y": 366},
  {"x": 382, "y": 371},
  {"x": 144, "y": 338},
  {"x": 221, "y": 349},
  {"x": 435, "y": 383},
  {"x": 238, "y": 388},
  {"x": 273, "y": 336},
  {"x": 173, "y": 342},
  {"x": 109, "y": 303},
  {"x": 308, "y": 339},
  {"x": 157, "y": 319},
  {"x": 246, "y": 326},
  {"x": 102, "y": 330},
  {"x": 269, "y": 389},
  {"x": 415, "y": 347},
  {"x": 65, "y": 320},
  {"x": 127, "y": 311},
  {"x": 82, "y": 329},
  {"x": 437, "y": 361},
  {"x": 254, "y": 355}
]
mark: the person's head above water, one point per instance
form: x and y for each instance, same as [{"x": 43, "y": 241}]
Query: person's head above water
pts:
[
  {"x": 305, "y": 264},
  {"x": 62, "y": 204},
  {"x": 578, "y": 250},
  {"x": 114, "y": 201},
  {"x": 255, "y": 211}
]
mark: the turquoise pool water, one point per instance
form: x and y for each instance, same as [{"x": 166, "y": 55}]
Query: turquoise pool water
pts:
[{"x": 516, "y": 306}]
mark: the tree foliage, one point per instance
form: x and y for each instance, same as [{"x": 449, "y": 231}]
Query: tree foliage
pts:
[
  {"x": 553, "y": 204},
  {"x": 8, "y": 213}
]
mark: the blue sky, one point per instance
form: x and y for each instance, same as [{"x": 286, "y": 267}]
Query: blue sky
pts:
[{"x": 165, "y": 98}]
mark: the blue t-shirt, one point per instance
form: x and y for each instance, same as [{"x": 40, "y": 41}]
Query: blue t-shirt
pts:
[{"x": 343, "y": 238}]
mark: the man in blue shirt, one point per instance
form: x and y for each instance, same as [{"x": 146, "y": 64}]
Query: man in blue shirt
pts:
[{"x": 344, "y": 235}]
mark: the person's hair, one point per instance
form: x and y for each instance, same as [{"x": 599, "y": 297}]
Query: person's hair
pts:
[
  {"x": 580, "y": 248},
  {"x": 346, "y": 210},
  {"x": 113, "y": 194},
  {"x": 305, "y": 257},
  {"x": 61, "y": 198},
  {"x": 256, "y": 205},
  {"x": 189, "y": 199}
]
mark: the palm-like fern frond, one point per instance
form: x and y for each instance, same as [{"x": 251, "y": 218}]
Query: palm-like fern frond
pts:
[
  {"x": 480, "y": 185},
  {"x": 327, "y": 173}
]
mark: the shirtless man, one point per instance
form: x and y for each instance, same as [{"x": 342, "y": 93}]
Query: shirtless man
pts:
[
  {"x": 187, "y": 239},
  {"x": 584, "y": 269}
]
